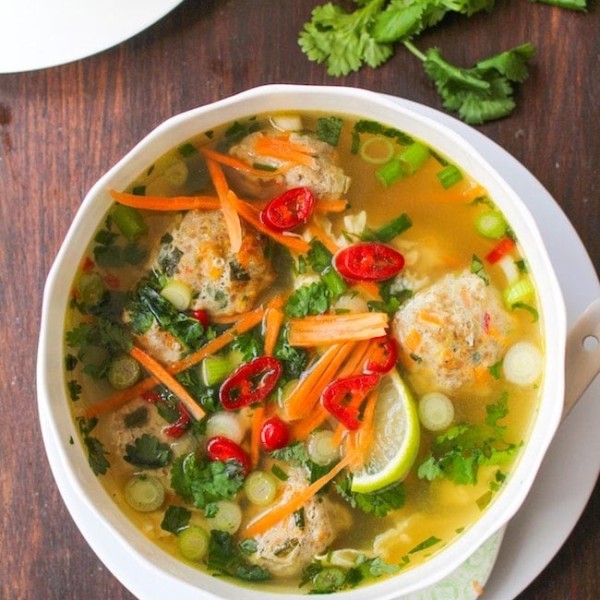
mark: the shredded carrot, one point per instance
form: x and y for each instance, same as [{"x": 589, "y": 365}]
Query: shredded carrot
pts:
[
  {"x": 327, "y": 206},
  {"x": 300, "y": 430},
  {"x": 163, "y": 376},
  {"x": 366, "y": 433},
  {"x": 162, "y": 203},
  {"x": 257, "y": 421},
  {"x": 121, "y": 398},
  {"x": 413, "y": 339},
  {"x": 320, "y": 235},
  {"x": 305, "y": 395},
  {"x": 228, "y": 202},
  {"x": 430, "y": 317},
  {"x": 354, "y": 365},
  {"x": 284, "y": 149},
  {"x": 274, "y": 318},
  {"x": 292, "y": 242},
  {"x": 327, "y": 329},
  {"x": 279, "y": 512},
  {"x": 238, "y": 165}
]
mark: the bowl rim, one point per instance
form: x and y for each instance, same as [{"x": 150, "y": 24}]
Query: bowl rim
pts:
[{"x": 51, "y": 392}]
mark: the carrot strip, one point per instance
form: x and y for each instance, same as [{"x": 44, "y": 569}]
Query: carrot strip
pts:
[
  {"x": 306, "y": 394},
  {"x": 366, "y": 433},
  {"x": 257, "y": 421},
  {"x": 327, "y": 206},
  {"x": 326, "y": 329},
  {"x": 300, "y": 430},
  {"x": 320, "y": 235},
  {"x": 228, "y": 202},
  {"x": 121, "y": 398},
  {"x": 354, "y": 365},
  {"x": 162, "y": 203},
  {"x": 249, "y": 214},
  {"x": 274, "y": 318},
  {"x": 281, "y": 511},
  {"x": 163, "y": 376},
  {"x": 284, "y": 149},
  {"x": 239, "y": 165}
]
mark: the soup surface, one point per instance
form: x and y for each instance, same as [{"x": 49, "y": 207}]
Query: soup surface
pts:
[{"x": 303, "y": 351}]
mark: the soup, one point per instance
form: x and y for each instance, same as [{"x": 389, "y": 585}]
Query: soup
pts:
[{"x": 303, "y": 351}]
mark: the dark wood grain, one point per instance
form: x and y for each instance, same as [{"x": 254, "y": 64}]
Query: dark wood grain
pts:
[{"x": 61, "y": 128}]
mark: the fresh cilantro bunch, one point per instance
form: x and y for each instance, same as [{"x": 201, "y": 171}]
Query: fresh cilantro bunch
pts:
[{"x": 345, "y": 41}]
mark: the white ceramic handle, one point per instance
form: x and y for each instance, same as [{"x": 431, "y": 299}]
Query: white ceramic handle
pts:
[{"x": 583, "y": 355}]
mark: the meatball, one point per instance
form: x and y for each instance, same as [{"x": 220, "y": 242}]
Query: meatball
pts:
[
  {"x": 451, "y": 330},
  {"x": 196, "y": 251},
  {"x": 288, "y": 547},
  {"x": 323, "y": 177}
]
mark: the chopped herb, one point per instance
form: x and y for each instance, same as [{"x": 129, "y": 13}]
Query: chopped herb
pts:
[
  {"x": 74, "y": 389},
  {"x": 224, "y": 556},
  {"x": 329, "y": 130},
  {"x": 248, "y": 546},
  {"x": 70, "y": 362},
  {"x": 203, "y": 483},
  {"x": 187, "y": 149},
  {"x": 496, "y": 370},
  {"x": 136, "y": 418},
  {"x": 299, "y": 519},
  {"x": 97, "y": 454},
  {"x": 430, "y": 541},
  {"x": 378, "y": 503},
  {"x": 148, "y": 452},
  {"x": 478, "y": 268},
  {"x": 176, "y": 518},
  {"x": 310, "y": 299}
]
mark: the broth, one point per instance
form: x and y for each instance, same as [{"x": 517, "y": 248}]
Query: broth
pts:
[{"x": 168, "y": 282}]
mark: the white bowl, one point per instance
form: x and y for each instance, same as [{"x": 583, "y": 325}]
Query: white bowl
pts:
[{"x": 112, "y": 526}]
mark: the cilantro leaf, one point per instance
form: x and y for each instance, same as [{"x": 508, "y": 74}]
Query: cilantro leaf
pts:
[
  {"x": 342, "y": 40},
  {"x": 378, "y": 503},
  {"x": 148, "y": 452},
  {"x": 202, "y": 482},
  {"x": 310, "y": 299},
  {"x": 226, "y": 557},
  {"x": 483, "y": 92},
  {"x": 97, "y": 454},
  {"x": 176, "y": 518}
]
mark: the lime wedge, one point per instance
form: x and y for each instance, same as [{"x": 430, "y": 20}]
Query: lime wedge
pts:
[{"x": 396, "y": 437}]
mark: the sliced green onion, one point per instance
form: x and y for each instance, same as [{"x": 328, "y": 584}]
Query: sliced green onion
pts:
[
  {"x": 216, "y": 367},
  {"x": 535, "y": 315},
  {"x": 519, "y": 291},
  {"x": 123, "y": 372},
  {"x": 193, "y": 542},
  {"x": 225, "y": 424},
  {"x": 376, "y": 150},
  {"x": 388, "y": 231},
  {"x": 260, "y": 488},
  {"x": 390, "y": 172},
  {"x": 227, "y": 518},
  {"x": 321, "y": 449},
  {"x": 334, "y": 281},
  {"x": 91, "y": 288},
  {"x": 144, "y": 493},
  {"x": 176, "y": 173},
  {"x": 179, "y": 294},
  {"x": 449, "y": 175},
  {"x": 329, "y": 579},
  {"x": 129, "y": 222},
  {"x": 436, "y": 411},
  {"x": 413, "y": 157},
  {"x": 523, "y": 363},
  {"x": 491, "y": 224}
]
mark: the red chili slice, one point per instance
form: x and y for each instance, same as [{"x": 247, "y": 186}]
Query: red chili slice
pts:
[
  {"x": 179, "y": 427},
  {"x": 342, "y": 398},
  {"x": 368, "y": 261},
  {"x": 274, "y": 434},
  {"x": 384, "y": 357},
  {"x": 288, "y": 210},
  {"x": 501, "y": 249},
  {"x": 250, "y": 383},
  {"x": 202, "y": 316},
  {"x": 223, "y": 449}
]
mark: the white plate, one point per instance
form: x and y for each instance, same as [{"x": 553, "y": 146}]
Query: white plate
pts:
[
  {"x": 537, "y": 532},
  {"x": 36, "y": 34},
  {"x": 548, "y": 514}
]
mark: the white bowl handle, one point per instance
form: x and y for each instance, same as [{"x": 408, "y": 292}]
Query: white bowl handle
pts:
[{"x": 583, "y": 355}]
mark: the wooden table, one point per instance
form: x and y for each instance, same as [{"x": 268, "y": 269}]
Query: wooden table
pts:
[{"x": 62, "y": 127}]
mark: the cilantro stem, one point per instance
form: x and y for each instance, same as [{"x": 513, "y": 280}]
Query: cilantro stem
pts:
[{"x": 414, "y": 50}]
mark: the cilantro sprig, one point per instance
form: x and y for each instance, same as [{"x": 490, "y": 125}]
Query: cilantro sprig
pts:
[{"x": 346, "y": 41}]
